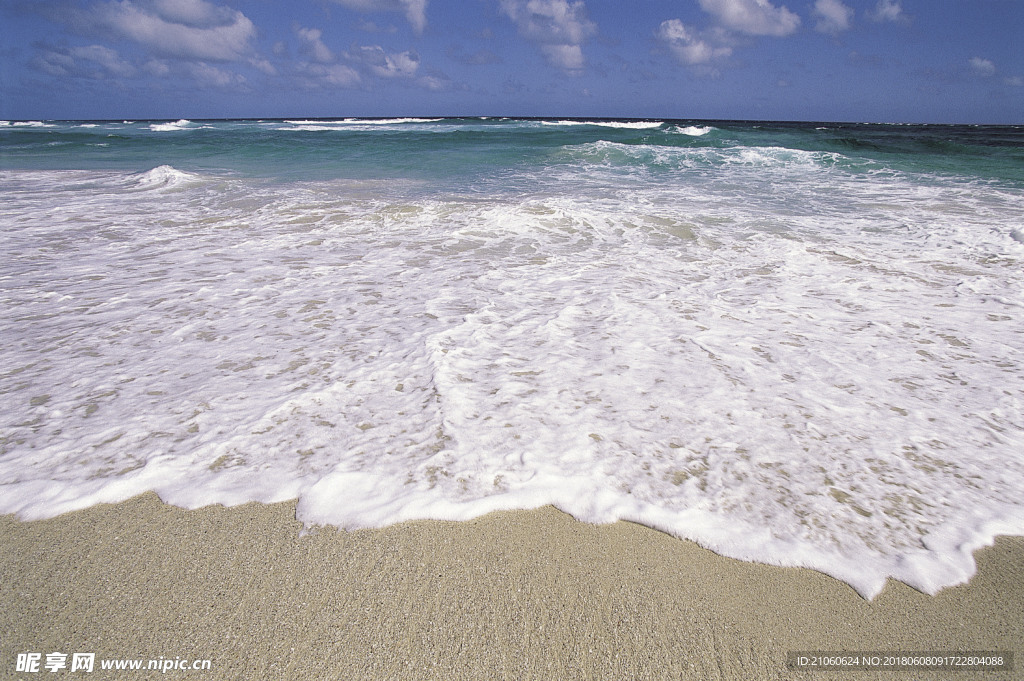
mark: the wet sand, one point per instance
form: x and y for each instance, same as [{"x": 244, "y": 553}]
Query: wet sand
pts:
[{"x": 512, "y": 595}]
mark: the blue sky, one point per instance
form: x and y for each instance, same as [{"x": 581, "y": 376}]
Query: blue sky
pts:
[{"x": 853, "y": 60}]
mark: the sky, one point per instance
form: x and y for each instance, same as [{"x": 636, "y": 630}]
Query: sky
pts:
[{"x": 924, "y": 61}]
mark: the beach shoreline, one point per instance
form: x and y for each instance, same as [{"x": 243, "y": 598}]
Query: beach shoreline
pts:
[{"x": 519, "y": 594}]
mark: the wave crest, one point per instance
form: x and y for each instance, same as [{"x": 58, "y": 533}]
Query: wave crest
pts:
[
  {"x": 607, "y": 153},
  {"x": 694, "y": 130},
  {"x": 181, "y": 124},
  {"x": 162, "y": 177},
  {"x": 629, "y": 125}
]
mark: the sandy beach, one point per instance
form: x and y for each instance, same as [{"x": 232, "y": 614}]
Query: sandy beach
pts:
[{"x": 512, "y": 595}]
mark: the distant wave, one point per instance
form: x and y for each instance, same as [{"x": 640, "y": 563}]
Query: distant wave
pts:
[
  {"x": 168, "y": 127},
  {"x": 361, "y": 121},
  {"x": 606, "y": 153},
  {"x": 389, "y": 121},
  {"x": 695, "y": 130},
  {"x": 311, "y": 127},
  {"x": 632, "y": 125}
]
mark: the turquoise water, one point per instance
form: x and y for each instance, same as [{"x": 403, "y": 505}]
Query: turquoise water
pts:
[
  {"x": 475, "y": 149},
  {"x": 794, "y": 343}
]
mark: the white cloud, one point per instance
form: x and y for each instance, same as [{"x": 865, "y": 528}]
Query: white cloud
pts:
[
  {"x": 559, "y": 27},
  {"x": 354, "y": 66},
  {"x": 263, "y": 65},
  {"x": 92, "y": 61},
  {"x": 189, "y": 29},
  {"x": 384, "y": 64},
  {"x": 104, "y": 57},
  {"x": 211, "y": 75},
  {"x": 313, "y": 46},
  {"x": 983, "y": 67},
  {"x": 370, "y": 27},
  {"x": 687, "y": 47},
  {"x": 753, "y": 17},
  {"x": 157, "y": 67},
  {"x": 888, "y": 10},
  {"x": 324, "y": 69},
  {"x": 195, "y": 13},
  {"x": 1014, "y": 81},
  {"x": 333, "y": 75},
  {"x": 550, "y": 21},
  {"x": 434, "y": 83},
  {"x": 568, "y": 57},
  {"x": 833, "y": 16},
  {"x": 415, "y": 10}
]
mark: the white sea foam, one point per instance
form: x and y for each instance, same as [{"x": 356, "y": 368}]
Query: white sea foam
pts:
[
  {"x": 182, "y": 124},
  {"x": 352, "y": 124},
  {"x": 391, "y": 121},
  {"x": 627, "y": 156},
  {"x": 631, "y": 125},
  {"x": 695, "y": 130},
  {"x": 31, "y": 124},
  {"x": 361, "y": 121},
  {"x": 780, "y": 359},
  {"x": 162, "y": 177},
  {"x": 324, "y": 128}
]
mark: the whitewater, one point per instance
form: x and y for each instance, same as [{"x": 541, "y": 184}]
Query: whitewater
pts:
[{"x": 798, "y": 344}]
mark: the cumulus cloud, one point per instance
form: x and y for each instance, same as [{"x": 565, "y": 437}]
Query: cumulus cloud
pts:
[
  {"x": 157, "y": 67},
  {"x": 384, "y": 64},
  {"x": 261, "y": 64},
  {"x": 559, "y": 27},
  {"x": 753, "y": 17},
  {"x": 206, "y": 74},
  {"x": 438, "y": 83},
  {"x": 100, "y": 62},
  {"x": 195, "y": 13},
  {"x": 331, "y": 75},
  {"x": 355, "y": 66},
  {"x": 567, "y": 57},
  {"x": 323, "y": 69},
  {"x": 703, "y": 49},
  {"x": 92, "y": 61},
  {"x": 983, "y": 67},
  {"x": 833, "y": 16},
  {"x": 187, "y": 29},
  {"x": 415, "y": 10},
  {"x": 313, "y": 47},
  {"x": 687, "y": 46},
  {"x": 888, "y": 10}
]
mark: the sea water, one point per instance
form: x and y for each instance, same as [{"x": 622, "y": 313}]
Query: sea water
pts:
[{"x": 793, "y": 343}]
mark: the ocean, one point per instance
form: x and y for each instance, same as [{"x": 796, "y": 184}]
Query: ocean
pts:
[{"x": 794, "y": 343}]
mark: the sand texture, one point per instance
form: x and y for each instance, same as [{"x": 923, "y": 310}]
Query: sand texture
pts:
[{"x": 516, "y": 595}]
